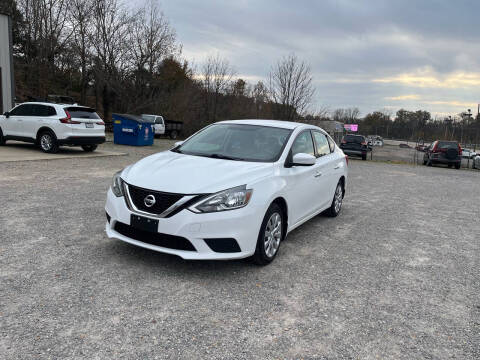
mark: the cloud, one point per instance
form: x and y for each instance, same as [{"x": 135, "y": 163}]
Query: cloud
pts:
[
  {"x": 365, "y": 53},
  {"x": 428, "y": 78},
  {"x": 403, "y": 97}
]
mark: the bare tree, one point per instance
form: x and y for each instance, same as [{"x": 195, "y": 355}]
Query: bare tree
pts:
[
  {"x": 260, "y": 97},
  {"x": 80, "y": 13},
  {"x": 217, "y": 75},
  {"x": 109, "y": 40},
  {"x": 290, "y": 85},
  {"x": 151, "y": 38}
]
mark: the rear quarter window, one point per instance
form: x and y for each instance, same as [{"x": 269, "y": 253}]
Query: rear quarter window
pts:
[{"x": 82, "y": 113}]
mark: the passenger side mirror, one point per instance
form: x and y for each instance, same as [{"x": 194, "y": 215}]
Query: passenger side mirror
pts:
[
  {"x": 303, "y": 159},
  {"x": 7, "y": 114},
  {"x": 178, "y": 143}
]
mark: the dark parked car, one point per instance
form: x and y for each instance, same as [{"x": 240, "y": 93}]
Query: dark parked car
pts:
[
  {"x": 443, "y": 152},
  {"x": 355, "y": 145}
]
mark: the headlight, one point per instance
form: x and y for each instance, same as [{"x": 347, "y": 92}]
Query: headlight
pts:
[
  {"x": 117, "y": 184},
  {"x": 230, "y": 199}
]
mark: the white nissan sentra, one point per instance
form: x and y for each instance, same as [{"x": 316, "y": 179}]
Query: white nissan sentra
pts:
[{"x": 234, "y": 189}]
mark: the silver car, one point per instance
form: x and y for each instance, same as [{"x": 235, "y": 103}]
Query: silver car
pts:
[{"x": 476, "y": 162}]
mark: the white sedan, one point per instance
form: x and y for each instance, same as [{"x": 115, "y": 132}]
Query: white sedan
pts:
[{"x": 234, "y": 189}]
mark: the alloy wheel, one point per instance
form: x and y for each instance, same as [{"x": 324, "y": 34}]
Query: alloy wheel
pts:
[
  {"x": 273, "y": 234},
  {"x": 338, "y": 199},
  {"x": 46, "y": 142}
]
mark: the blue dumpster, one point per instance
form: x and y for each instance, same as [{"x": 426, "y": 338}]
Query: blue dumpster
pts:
[{"x": 132, "y": 130}]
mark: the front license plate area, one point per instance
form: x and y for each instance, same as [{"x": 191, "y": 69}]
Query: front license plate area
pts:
[
  {"x": 144, "y": 223},
  {"x": 88, "y": 125}
]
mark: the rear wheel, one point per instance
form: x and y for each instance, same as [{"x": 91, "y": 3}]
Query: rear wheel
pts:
[
  {"x": 457, "y": 166},
  {"x": 89, "y": 148},
  {"x": 173, "y": 134},
  {"x": 270, "y": 235},
  {"x": 337, "y": 201},
  {"x": 48, "y": 142},
  {"x": 364, "y": 157}
]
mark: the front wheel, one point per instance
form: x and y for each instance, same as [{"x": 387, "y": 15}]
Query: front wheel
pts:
[
  {"x": 457, "y": 166},
  {"x": 337, "y": 201},
  {"x": 2, "y": 139},
  {"x": 48, "y": 142},
  {"x": 89, "y": 148},
  {"x": 270, "y": 235}
]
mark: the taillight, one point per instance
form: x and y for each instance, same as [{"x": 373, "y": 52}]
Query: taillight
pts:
[
  {"x": 68, "y": 119},
  {"x": 364, "y": 143},
  {"x": 343, "y": 141},
  {"x": 459, "y": 150},
  {"x": 346, "y": 159},
  {"x": 100, "y": 123}
]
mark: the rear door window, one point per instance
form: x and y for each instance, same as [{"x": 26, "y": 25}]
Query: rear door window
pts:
[
  {"x": 44, "y": 110},
  {"x": 82, "y": 113}
]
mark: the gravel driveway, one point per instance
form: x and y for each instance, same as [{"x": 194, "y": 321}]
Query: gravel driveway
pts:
[{"x": 395, "y": 276}]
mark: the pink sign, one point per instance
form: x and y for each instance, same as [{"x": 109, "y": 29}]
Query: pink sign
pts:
[{"x": 351, "y": 127}]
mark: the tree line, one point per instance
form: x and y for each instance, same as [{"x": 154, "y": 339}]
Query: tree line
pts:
[
  {"x": 407, "y": 125},
  {"x": 118, "y": 58}
]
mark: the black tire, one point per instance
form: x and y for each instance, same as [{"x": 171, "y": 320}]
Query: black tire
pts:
[
  {"x": 424, "y": 162},
  {"x": 89, "y": 148},
  {"x": 334, "y": 210},
  {"x": 261, "y": 256},
  {"x": 48, "y": 142},
  {"x": 364, "y": 157},
  {"x": 457, "y": 166},
  {"x": 173, "y": 134},
  {"x": 2, "y": 139}
]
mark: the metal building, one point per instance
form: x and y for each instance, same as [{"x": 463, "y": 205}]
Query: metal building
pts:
[{"x": 7, "y": 84}]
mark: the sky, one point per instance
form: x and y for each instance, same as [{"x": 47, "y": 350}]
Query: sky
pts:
[{"x": 370, "y": 54}]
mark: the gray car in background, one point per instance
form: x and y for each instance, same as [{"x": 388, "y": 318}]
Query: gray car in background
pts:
[{"x": 443, "y": 152}]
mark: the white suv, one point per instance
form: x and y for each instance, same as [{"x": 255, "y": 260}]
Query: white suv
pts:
[{"x": 52, "y": 125}]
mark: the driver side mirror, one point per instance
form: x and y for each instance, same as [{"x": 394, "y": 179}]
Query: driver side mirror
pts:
[
  {"x": 303, "y": 159},
  {"x": 6, "y": 114},
  {"x": 178, "y": 143}
]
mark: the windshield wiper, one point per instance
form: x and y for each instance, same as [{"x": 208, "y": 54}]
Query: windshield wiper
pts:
[{"x": 225, "y": 157}]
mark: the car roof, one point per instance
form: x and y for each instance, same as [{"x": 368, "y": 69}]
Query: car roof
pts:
[
  {"x": 271, "y": 123},
  {"x": 52, "y": 104}
]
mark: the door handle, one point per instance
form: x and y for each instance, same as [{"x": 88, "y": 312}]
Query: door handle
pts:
[
  {"x": 337, "y": 167},
  {"x": 318, "y": 174}
]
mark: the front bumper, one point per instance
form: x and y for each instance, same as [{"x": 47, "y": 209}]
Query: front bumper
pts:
[{"x": 199, "y": 229}]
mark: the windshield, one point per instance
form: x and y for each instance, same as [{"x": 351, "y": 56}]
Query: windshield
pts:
[
  {"x": 237, "y": 142},
  {"x": 150, "y": 118}
]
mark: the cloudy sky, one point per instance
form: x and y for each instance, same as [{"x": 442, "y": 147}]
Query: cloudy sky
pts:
[{"x": 373, "y": 54}]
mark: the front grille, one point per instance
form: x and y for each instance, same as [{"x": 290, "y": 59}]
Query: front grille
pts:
[
  {"x": 158, "y": 239},
  {"x": 162, "y": 200}
]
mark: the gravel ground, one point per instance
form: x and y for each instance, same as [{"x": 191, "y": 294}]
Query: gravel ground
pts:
[{"x": 395, "y": 276}]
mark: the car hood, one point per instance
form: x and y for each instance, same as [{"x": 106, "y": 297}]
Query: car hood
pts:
[{"x": 187, "y": 174}]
